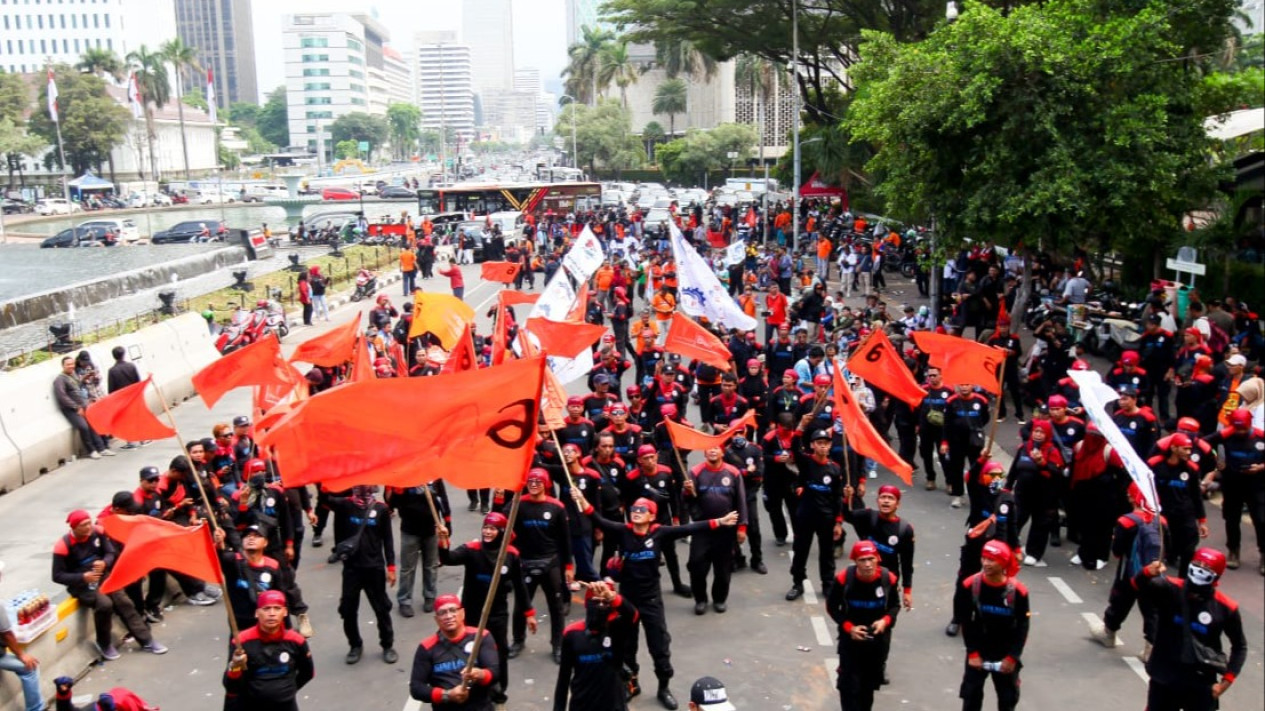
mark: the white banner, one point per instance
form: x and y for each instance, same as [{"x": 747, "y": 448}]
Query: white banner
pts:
[
  {"x": 736, "y": 254},
  {"x": 585, "y": 256},
  {"x": 700, "y": 292},
  {"x": 1095, "y": 394},
  {"x": 571, "y": 369},
  {"x": 556, "y": 300}
]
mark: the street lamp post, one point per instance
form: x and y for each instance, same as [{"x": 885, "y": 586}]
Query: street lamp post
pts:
[
  {"x": 575, "y": 156},
  {"x": 795, "y": 174}
]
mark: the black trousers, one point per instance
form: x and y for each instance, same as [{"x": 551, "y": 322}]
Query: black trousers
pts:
[
  {"x": 481, "y": 497},
  {"x": 907, "y": 438},
  {"x": 153, "y": 598},
  {"x": 809, "y": 526},
  {"x": 658, "y": 640},
  {"x": 712, "y": 552},
  {"x": 753, "y": 525},
  {"x": 498, "y": 627},
  {"x": 961, "y": 455},
  {"x": 929, "y": 439},
  {"x": 705, "y": 395},
  {"x": 1238, "y": 492},
  {"x": 1012, "y": 387},
  {"x": 104, "y": 607},
  {"x": 779, "y": 500},
  {"x": 1196, "y": 695},
  {"x": 1184, "y": 538},
  {"x": 860, "y": 671},
  {"x": 1037, "y": 501},
  {"x": 373, "y": 583},
  {"x": 237, "y": 703},
  {"x": 972, "y": 691},
  {"x": 1092, "y": 509},
  {"x": 1120, "y": 602},
  {"x": 546, "y": 575}
]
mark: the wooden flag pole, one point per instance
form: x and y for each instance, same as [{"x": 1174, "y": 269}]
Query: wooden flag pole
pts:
[
  {"x": 565, "y": 469},
  {"x": 496, "y": 578}
]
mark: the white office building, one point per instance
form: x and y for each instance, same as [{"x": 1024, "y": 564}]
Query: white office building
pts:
[
  {"x": 333, "y": 66},
  {"x": 444, "y": 90},
  {"x": 487, "y": 28},
  {"x": 34, "y": 34},
  {"x": 581, "y": 13},
  {"x": 401, "y": 88}
]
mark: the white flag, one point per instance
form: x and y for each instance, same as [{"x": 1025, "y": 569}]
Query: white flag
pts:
[
  {"x": 556, "y": 300},
  {"x": 1095, "y": 394},
  {"x": 585, "y": 256},
  {"x": 210, "y": 94},
  {"x": 700, "y": 292},
  {"x": 52, "y": 97},
  {"x": 134, "y": 96},
  {"x": 736, "y": 253}
]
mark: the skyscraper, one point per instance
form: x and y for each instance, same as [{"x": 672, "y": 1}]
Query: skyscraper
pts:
[
  {"x": 222, "y": 33},
  {"x": 61, "y": 33},
  {"x": 444, "y": 91},
  {"x": 580, "y": 13},
  {"x": 487, "y": 28}
]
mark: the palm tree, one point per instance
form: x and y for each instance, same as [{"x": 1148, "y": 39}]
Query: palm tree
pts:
[
  {"x": 182, "y": 57},
  {"x": 671, "y": 99},
  {"x": 101, "y": 62},
  {"x": 582, "y": 69},
  {"x": 678, "y": 57},
  {"x": 151, "y": 79},
  {"x": 614, "y": 66}
]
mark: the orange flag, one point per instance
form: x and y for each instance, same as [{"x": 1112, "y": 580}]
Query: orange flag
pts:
[
  {"x": 152, "y": 543},
  {"x": 462, "y": 357},
  {"x": 124, "y": 414},
  {"x": 503, "y": 272},
  {"x": 880, "y": 364},
  {"x": 963, "y": 361},
  {"x": 510, "y": 297},
  {"x": 564, "y": 339},
  {"x": 362, "y": 363},
  {"x": 553, "y": 402},
  {"x": 329, "y": 349},
  {"x": 691, "y": 340},
  {"x": 861, "y": 434},
  {"x": 689, "y": 438},
  {"x": 268, "y": 396},
  {"x": 501, "y": 333},
  {"x": 477, "y": 430},
  {"x": 260, "y": 363},
  {"x": 442, "y": 314},
  {"x": 751, "y": 219}
]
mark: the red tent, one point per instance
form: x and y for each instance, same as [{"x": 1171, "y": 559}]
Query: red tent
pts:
[{"x": 817, "y": 188}]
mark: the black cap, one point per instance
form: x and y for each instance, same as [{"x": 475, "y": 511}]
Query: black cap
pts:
[
  {"x": 241, "y": 421},
  {"x": 123, "y": 500},
  {"x": 149, "y": 473},
  {"x": 709, "y": 693},
  {"x": 821, "y": 434},
  {"x": 254, "y": 528},
  {"x": 1128, "y": 389}
]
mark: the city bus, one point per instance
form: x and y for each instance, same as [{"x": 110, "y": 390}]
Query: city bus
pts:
[{"x": 480, "y": 199}]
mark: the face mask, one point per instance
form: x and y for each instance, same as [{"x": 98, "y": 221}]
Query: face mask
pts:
[
  {"x": 995, "y": 486},
  {"x": 595, "y": 617},
  {"x": 257, "y": 481},
  {"x": 740, "y": 442},
  {"x": 1200, "y": 576}
]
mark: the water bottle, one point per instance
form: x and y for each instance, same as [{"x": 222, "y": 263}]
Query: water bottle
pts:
[{"x": 991, "y": 666}]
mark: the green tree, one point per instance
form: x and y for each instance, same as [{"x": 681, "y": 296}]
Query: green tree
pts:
[
  {"x": 150, "y": 69},
  {"x": 15, "y": 96},
  {"x": 603, "y": 136},
  {"x": 183, "y": 58},
  {"x": 92, "y": 123},
  {"x": 347, "y": 149},
  {"x": 229, "y": 159},
  {"x": 737, "y": 138},
  {"x": 15, "y": 142},
  {"x": 615, "y": 67},
  {"x": 680, "y": 57},
  {"x": 273, "y": 120},
  {"x": 405, "y": 121},
  {"x": 652, "y": 134},
  {"x": 583, "y": 63},
  {"x": 195, "y": 99},
  {"x": 687, "y": 159},
  {"x": 671, "y": 98},
  {"x": 1071, "y": 124},
  {"x": 359, "y": 126},
  {"x": 102, "y": 62},
  {"x": 243, "y": 113}
]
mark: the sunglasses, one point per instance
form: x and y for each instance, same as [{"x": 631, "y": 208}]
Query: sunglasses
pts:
[
  {"x": 639, "y": 510},
  {"x": 447, "y": 611}
]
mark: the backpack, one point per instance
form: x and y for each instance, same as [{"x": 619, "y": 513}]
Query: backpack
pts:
[
  {"x": 977, "y": 580},
  {"x": 849, "y": 576},
  {"x": 1148, "y": 542},
  {"x": 1218, "y": 339}
]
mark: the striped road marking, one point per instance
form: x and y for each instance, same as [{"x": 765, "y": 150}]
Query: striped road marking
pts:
[
  {"x": 822, "y": 631},
  {"x": 810, "y": 595},
  {"x": 1066, "y": 591}
]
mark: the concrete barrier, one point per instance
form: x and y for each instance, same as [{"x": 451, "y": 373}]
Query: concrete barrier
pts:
[
  {"x": 32, "y": 420},
  {"x": 10, "y": 464}
]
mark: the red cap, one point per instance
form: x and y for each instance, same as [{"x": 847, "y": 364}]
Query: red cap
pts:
[
  {"x": 445, "y": 600},
  {"x": 821, "y": 379},
  {"x": 889, "y": 489},
  {"x": 1044, "y": 426},
  {"x": 1211, "y": 558},
  {"x": 753, "y": 362},
  {"x": 791, "y": 372},
  {"x": 1080, "y": 364},
  {"x": 254, "y": 466},
  {"x": 645, "y": 449},
  {"x": 1136, "y": 498},
  {"x": 571, "y": 447},
  {"x": 76, "y": 517},
  {"x": 998, "y": 551},
  {"x": 1130, "y": 358},
  {"x": 270, "y": 597},
  {"x": 1190, "y": 424},
  {"x": 1179, "y": 440},
  {"x": 1240, "y": 418},
  {"x": 651, "y": 506},
  {"x": 863, "y": 549},
  {"x": 576, "y": 400},
  {"x": 496, "y": 519},
  {"x": 1057, "y": 401},
  {"x": 1199, "y": 335},
  {"x": 633, "y": 391},
  {"x": 538, "y": 474},
  {"x": 668, "y": 410},
  {"x": 992, "y": 467}
]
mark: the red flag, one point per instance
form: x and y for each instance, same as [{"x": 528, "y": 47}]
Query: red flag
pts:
[
  {"x": 689, "y": 339},
  {"x": 716, "y": 239},
  {"x": 462, "y": 356},
  {"x": 330, "y": 349},
  {"x": 260, "y": 363},
  {"x": 500, "y": 333},
  {"x": 151, "y": 543},
  {"x": 362, "y": 363},
  {"x": 564, "y": 339},
  {"x": 477, "y": 430},
  {"x": 861, "y": 433},
  {"x": 880, "y": 364},
  {"x": 1001, "y": 310},
  {"x": 124, "y": 414},
  {"x": 268, "y": 396},
  {"x": 503, "y": 272},
  {"x": 689, "y": 438},
  {"x": 442, "y": 314},
  {"x": 510, "y": 297},
  {"x": 553, "y": 401},
  {"x": 963, "y": 361},
  {"x": 751, "y": 219}
]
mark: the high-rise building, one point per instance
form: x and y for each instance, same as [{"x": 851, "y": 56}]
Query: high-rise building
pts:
[
  {"x": 401, "y": 88},
  {"x": 581, "y": 13},
  {"x": 333, "y": 66},
  {"x": 35, "y": 35},
  {"x": 487, "y": 28},
  {"x": 444, "y": 90},
  {"x": 222, "y": 33}
]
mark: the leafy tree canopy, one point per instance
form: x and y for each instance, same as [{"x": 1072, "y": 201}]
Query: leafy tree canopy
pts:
[
  {"x": 273, "y": 120},
  {"x": 360, "y": 126},
  {"x": 92, "y": 124}
]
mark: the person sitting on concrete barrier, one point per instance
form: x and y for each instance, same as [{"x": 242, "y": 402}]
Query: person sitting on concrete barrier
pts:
[{"x": 71, "y": 398}]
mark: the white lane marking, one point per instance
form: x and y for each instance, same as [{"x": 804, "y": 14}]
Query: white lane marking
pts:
[
  {"x": 831, "y": 665},
  {"x": 822, "y": 631},
  {"x": 479, "y": 309},
  {"x": 1138, "y": 668},
  {"x": 810, "y": 595},
  {"x": 412, "y": 705},
  {"x": 1066, "y": 591}
]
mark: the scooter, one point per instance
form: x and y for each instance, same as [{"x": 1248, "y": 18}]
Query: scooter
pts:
[
  {"x": 274, "y": 317},
  {"x": 236, "y": 334},
  {"x": 366, "y": 285}
]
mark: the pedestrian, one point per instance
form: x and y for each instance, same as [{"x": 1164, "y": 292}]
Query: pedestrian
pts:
[
  {"x": 996, "y": 521},
  {"x": 268, "y": 664},
  {"x": 1038, "y": 470},
  {"x": 69, "y": 391},
  {"x": 1181, "y": 500},
  {"x": 443, "y": 673},
  {"x": 708, "y": 694},
  {"x": 992, "y": 607},
  {"x": 1139, "y": 537},
  {"x": 368, "y": 556},
  {"x": 1191, "y": 617},
  {"x": 13, "y": 657},
  {"x": 591, "y": 671},
  {"x": 892, "y": 537},
  {"x": 544, "y": 543},
  {"x": 305, "y": 297},
  {"x": 455, "y": 279},
  {"x": 747, "y": 457},
  {"x": 408, "y": 269},
  {"x": 819, "y": 490},
  {"x": 931, "y": 422},
  {"x": 418, "y": 541},
  {"x": 966, "y": 413},
  {"x": 318, "y": 283},
  {"x": 712, "y": 489},
  {"x": 1242, "y": 483},
  {"x": 864, "y": 604},
  {"x": 82, "y": 559},
  {"x": 122, "y": 374}
]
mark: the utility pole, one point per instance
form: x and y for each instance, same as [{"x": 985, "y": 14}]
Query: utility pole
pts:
[{"x": 798, "y": 110}]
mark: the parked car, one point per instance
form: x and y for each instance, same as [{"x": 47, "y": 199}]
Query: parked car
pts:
[
  {"x": 57, "y": 206},
  {"x": 394, "y": 192},
  {"x": 125, "y": 228},
  {"x": 16, "y": 207},
  {"x": 368, "y": 188},
  {"x": 339, "y": 194},
  {"x": 473, "y": 228},
  {"x": 81, "y": 236},
  {"x": 187, "y": 231}
]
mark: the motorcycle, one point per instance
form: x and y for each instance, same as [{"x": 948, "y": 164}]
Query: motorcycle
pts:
[
  {"x": 366, "y": 285},
  {"x": 274, "y": 317},
  {"x": 236, "y": 334}
]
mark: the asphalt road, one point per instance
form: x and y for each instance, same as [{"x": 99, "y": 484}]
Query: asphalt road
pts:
[{"x": 772, "y": 654}]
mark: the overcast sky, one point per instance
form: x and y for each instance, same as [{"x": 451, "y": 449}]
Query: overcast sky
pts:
[{"x": 539, "y": 30}]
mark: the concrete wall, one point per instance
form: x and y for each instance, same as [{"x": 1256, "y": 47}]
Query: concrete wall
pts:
[{"x": 34, "y": 435}]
